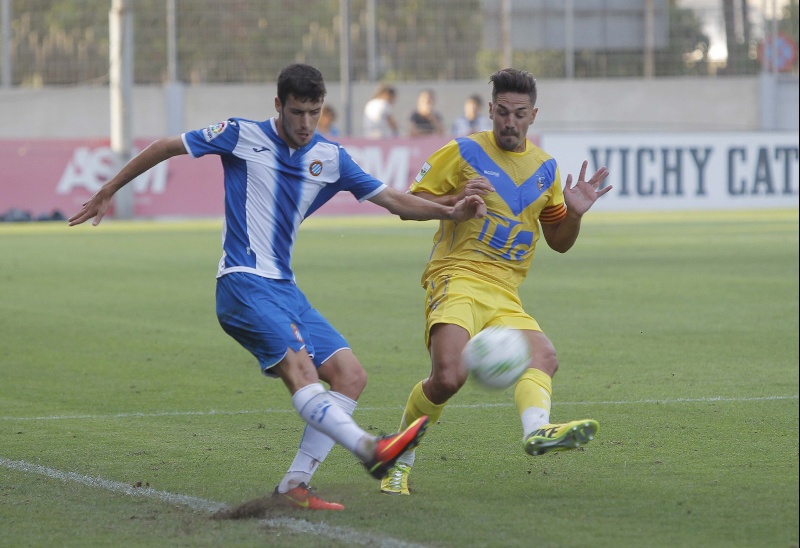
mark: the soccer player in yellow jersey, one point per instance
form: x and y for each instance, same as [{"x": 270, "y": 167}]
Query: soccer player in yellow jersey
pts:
[{"x": 476, "y": 266}]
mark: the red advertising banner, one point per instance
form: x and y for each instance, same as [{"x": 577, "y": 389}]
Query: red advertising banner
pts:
[{"x": 42, "y": 176}]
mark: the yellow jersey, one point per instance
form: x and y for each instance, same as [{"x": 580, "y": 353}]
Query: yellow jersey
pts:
[{"x": 500, "y": 246}]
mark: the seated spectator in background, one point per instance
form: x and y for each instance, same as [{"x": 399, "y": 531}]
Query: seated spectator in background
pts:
[
  {"x": 425, "y": 120},
  {"x": 473, "y": 119},
  {"x": 326, "y": 126},
  {"x": 379, "y": 121}
]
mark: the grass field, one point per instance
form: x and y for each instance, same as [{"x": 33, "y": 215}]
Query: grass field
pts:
[{"x": 127, "y": 416}]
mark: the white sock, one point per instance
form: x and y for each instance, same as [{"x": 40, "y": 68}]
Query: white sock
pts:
[
  {"x": 407, "y": 458},
  {"x": 321, "y": 411},
  {"x": 533, "y": 418},
  {"x": 314, "y": 447}
]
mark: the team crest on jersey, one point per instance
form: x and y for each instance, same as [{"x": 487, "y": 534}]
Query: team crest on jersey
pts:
[
  {"x": 213, "y": 131},
  {"x": 297, "y": 334},
  {"x": 315, "y": 168},
  {"x": 422, "y": 172},
  {"x": 540, "y": 183}
]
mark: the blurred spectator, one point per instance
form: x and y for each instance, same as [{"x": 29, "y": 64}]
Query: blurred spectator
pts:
[
  {"x": 425, "y": 120},
  {"x": 326, "y": 126},
  {"x": 379, "y": 121},
  {"x": 473, "y": 119}
]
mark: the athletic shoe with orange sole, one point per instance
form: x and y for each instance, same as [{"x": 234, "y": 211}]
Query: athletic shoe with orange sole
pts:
[
  {"x": 389, "y": 448},
  {"x": 304, "y": 498}
]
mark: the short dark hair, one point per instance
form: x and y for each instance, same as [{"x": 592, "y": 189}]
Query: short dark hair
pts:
[
  {"x": 515, "y": 81},
  {"x": 304, "y": 82},
  {"x": 385, "y": 89}
]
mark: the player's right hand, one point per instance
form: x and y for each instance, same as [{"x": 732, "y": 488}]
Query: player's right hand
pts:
[
  {"x": 469, "y": 207},
  {"x": 96, "y": 206}
]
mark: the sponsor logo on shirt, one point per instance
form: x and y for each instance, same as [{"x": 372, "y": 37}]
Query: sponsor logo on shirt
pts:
[
  {"x": 213, "y": 131},
  {"x": 491, "y": 173},
  {"x": 422, "y": 172},
  {"x": 315, "y": 168},
  {"x": 540, "y": 183}
]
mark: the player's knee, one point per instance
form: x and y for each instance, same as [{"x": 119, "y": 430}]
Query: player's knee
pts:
[
  {"x": 543, "y": 353},
  {"x": 355, "y": 378},
  {"x": 296, "y": 370},
  {"x": 449, "y": 380},
  {"x": 346, "y": 376},
  {"x": 547, "y": 362},
  {"x": 451, "y": 384}
]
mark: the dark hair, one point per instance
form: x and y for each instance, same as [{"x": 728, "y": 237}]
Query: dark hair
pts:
[
  {"x": 304, "y": 82},
  {"x": 515, "y": 81},
  {"x": 385, "y": 89}
]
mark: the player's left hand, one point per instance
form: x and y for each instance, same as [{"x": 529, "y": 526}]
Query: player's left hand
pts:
[
  {"x": 579, "y": 198},
  {"x": 478, "y": 186},
  {"x": 468, "y": 208}
]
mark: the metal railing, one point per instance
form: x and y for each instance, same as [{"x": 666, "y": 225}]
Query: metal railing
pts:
[{"x": 66, "y": 42}]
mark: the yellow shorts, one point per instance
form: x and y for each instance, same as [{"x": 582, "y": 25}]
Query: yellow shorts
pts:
[{"x": 473, "y": 304}]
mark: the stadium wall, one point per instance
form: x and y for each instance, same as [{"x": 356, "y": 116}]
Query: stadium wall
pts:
[
  {"x": 650, "y": 171},
  {"x": 662, "y": 104},
  {"x": 674, "y": 144}
]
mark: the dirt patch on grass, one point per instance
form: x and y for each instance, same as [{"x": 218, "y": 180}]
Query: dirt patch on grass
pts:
[{"x": 262, "y": 507}]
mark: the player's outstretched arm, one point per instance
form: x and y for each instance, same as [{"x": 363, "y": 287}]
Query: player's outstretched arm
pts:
[
  {"x": 479, "y": 186},
  {"x": 413, "y": 208},
  {"x": 155, "y": 153}
]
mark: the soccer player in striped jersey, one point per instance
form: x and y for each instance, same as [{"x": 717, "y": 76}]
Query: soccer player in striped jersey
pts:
[
  {"x": 475, "y": 268},
  {"x": 276, "y": 173}
]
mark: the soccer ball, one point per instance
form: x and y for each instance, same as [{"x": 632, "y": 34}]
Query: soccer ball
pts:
[{"x": 497, "y": 356}]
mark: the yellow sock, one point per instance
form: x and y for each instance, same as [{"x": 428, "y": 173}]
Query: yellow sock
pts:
[
  {"x": 532, "y": 395},
  {"x": 418, "y": 405}
]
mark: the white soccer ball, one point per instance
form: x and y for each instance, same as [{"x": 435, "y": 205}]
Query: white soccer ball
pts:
[{"x": 497, "y": 356}]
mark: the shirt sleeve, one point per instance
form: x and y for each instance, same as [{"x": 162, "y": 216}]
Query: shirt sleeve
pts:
[
  {"x": 219, "y": 138},
  {"x": 352, "y": 178},
  {"x": 556, "y": 209},
  {"x": 440, "y": 175},
  {"x": 355, "y": 180}
]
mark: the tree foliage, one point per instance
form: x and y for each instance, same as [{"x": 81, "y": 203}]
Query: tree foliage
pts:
[{"x": 66, "y": 42}]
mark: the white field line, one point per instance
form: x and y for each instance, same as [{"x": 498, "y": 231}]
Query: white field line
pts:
[
  {"x": 295, "y": 525},
  {"x": 452, "y": 406},
  {"x": 209, "y": 506}
]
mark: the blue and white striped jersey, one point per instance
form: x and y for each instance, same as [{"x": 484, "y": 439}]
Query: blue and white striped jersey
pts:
[{"x": 270, "y": 189}]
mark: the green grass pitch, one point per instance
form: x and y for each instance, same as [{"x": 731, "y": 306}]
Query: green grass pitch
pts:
[{"x": 126, "y": 413}]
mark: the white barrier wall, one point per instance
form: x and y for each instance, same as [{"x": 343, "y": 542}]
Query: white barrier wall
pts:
[
  {"x": 662, "y": 104},
  {"x": 659, "y": 171},
  {"x": 649, "y": 171}
]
